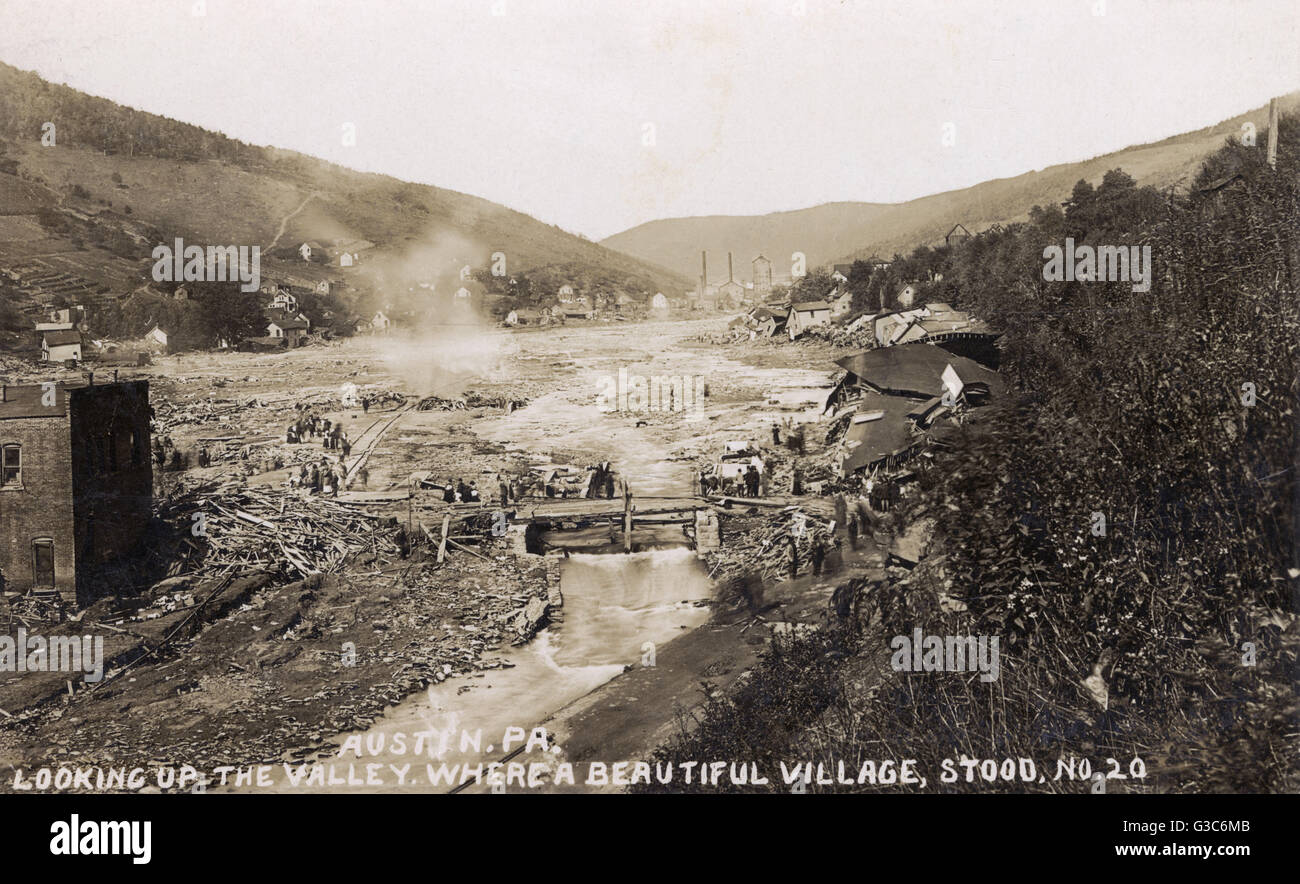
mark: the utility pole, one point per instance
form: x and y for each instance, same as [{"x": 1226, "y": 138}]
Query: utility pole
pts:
[
  {"x": 1272, "y": 132},
  {"x": 627, "y": 517}
]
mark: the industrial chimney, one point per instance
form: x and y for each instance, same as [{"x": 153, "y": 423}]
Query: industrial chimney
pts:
[{"x": 730, "y": 277}]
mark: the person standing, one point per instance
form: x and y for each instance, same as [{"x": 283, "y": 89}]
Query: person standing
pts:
[
  {"x": 796, "y": 482},
  {"x": 776, "y": 434},
  {"x": 853, "y": 530},
  {"x": 818, "y": 554},
  {"x": 841, "y": 508},
  {"x": 794, "y": 557}
]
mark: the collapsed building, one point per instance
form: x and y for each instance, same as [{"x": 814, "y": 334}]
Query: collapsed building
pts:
[
  {"x": 892, "y": 398},
  {"x": 76, "y": 483}
]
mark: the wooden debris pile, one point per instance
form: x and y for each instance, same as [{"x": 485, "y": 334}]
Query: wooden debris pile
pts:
[
  {"x": 760, "y": 545},
  {"x": 234, "y": 527},
  {"x": 471, "y": 399}
]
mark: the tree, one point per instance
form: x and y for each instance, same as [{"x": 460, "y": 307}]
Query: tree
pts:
[{"x": 226, "y": 313}]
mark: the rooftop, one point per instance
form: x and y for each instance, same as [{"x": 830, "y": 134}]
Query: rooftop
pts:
[
  {"x": 915, "y": 369},
  {"x": 59, "y": 338},
  {"x": 25, "y": 400}
]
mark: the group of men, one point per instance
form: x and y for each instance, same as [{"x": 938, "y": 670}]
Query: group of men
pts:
[
  {"x": 312, "y": 426},
  {"x": 750, "y": 483},
  {"x": 459, "y": 492},
  {"x": 326, "y": 477}
]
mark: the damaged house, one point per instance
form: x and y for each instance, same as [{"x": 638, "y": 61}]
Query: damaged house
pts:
[
  {"x": 76, "y": 483},
  {"x": 889, "y": 398}
]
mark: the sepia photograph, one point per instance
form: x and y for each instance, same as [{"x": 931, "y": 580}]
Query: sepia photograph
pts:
[{"x": 412, "y": 398}]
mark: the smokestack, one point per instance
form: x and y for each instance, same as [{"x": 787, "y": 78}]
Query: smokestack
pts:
[
  {"x": 704, "y": 273},
  {"x": 730, "y": 276}
]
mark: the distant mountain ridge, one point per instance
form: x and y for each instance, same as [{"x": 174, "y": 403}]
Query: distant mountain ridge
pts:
[{"x": 842, "y": 231}]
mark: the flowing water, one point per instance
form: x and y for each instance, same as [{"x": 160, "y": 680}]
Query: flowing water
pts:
[{"x": 613, "y": 606}]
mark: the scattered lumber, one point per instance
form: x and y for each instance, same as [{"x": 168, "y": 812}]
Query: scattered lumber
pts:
[{"x": 236, "y": 527}]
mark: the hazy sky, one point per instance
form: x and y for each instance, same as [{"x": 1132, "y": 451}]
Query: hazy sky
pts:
[{"x": 756, "y": 105}]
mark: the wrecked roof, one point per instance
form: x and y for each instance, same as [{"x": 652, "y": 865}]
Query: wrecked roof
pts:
[
  {"x": 871, "y": 440},
  {"x": 915, "y": 370},
  {"x": 809, "y": 306}
]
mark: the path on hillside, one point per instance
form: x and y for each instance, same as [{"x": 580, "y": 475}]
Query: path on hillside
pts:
[{"x": 284, "y": 222}]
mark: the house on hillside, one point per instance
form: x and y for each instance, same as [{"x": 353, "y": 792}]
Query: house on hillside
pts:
[
  {"x": 156, "y": 339},
  {"x": 291, "y": 331},
  {"x": 285, "y": 301},
  {"x": 659, "y": 303},
  {"x": 841, "y": 302},
  {"x": 566, "y": 294},
  {"x": 323, "y": 287},
  {"x": 805, "y": 315},
  {"x": 380, "y": 323},
  {"x": 958, "y": 235},
  {"x": 181, "y": 294},
  {"x": 307, "y": 249},
  {"x": 907, "y": 295},
  {"x": 60, "y": 346}
]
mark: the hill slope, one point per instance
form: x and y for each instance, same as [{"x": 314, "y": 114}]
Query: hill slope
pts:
[
  {"x": 138, "y": 172},
  {"x": 843, "y": 231}
]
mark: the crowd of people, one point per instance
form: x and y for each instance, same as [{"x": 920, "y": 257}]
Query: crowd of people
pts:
[
  {"x": 309, "y": 425},
  {"x": 327, "y": 477}
]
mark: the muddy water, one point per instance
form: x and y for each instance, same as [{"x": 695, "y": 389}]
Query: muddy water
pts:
[{"x": 613, "y": 607}]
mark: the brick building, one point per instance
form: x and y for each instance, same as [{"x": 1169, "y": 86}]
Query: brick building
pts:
[{"x": 76, "y": 483}]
